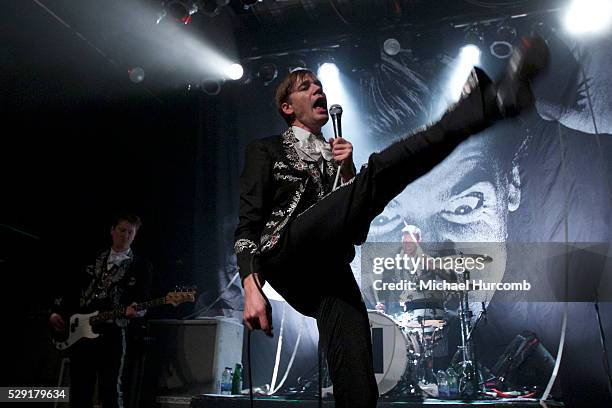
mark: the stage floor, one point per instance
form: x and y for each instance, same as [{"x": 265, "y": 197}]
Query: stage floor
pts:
[{"x": 220, "y": 401}]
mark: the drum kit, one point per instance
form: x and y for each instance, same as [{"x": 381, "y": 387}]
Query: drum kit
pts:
[{"x": 404, "y": 344}]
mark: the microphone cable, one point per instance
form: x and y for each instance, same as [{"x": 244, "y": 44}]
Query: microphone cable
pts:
[{"x": 249, "y": 370}]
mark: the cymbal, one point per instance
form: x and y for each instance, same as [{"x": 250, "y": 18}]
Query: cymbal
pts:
[
  {"x": 486, "y": 259},
  {"x": 426, "y": 323}
]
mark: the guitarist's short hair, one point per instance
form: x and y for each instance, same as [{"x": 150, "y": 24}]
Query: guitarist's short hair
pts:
[{"x": 131, "y": 218}]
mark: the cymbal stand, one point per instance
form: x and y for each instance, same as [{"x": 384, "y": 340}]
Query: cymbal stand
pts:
[
  {"x": 468, "y": 382},
  {"x": 483, "y": 313}
]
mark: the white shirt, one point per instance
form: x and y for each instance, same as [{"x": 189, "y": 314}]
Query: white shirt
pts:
[
  {"x": 115, "y": 258},
  {"x": 311, "y": 147}
]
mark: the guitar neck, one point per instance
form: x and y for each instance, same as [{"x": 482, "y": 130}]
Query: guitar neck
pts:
[{"x": 116, "y": 313}]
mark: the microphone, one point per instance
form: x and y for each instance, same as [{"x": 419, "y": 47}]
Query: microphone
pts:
[{"x": 335, "y": 112}]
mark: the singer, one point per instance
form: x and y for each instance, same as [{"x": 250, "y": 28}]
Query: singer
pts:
[{"x": 297, "y": 234}]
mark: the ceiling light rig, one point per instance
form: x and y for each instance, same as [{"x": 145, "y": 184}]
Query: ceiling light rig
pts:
[
  {"x": 474, "y": 36},
  {"x": 182, "y": 11},
  {"x": 392, "y": 47},
  {"x": 267, "y": 72},
  {"x": 179, "y": 11},
  {"x": 505, "y": 36}
]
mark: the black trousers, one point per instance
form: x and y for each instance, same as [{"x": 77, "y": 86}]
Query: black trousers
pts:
[
  {"x": 101, "y": 359},
  {"x": 310, "y": 265}
]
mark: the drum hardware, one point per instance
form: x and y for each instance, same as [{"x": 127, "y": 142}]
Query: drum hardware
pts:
[
  {"x": 469, "y": 376},
  {"x": 438, "y": 324},
  {"x": 392, "y": 349},
  {"x": 421, "y": 327}
]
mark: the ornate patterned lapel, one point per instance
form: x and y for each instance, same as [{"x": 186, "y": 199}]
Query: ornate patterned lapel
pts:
[
  {"x": 330, "y": 169},
  {"x": 103, "y": 281},
  {"x": 289, "y": 140},
  {"x": 298, "y": 164}
]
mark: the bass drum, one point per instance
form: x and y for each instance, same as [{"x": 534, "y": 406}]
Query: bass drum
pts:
[{"x": 391, "y": 350}]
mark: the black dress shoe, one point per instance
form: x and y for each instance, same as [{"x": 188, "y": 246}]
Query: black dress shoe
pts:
[{"x": 513, "y": 92}]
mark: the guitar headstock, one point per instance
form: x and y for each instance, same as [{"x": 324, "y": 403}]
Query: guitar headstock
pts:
[{"x": 179, "y": 296}]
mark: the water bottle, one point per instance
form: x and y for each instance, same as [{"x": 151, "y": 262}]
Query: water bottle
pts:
[
  {"x": 237, "y": 380},
  {"x": 453, "y": 385},
  {"x": 442, "y": 384},
  {"x": 226, "y": 382}
]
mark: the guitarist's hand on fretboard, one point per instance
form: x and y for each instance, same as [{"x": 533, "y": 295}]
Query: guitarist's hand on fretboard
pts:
[
  {"x": 56, "y": 322},
  {"x": 131, "y": 312}
]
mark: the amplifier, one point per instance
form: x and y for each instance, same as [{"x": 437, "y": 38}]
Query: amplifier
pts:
[{"x": 190, "y": 355}]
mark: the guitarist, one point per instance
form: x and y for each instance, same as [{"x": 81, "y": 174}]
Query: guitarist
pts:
[{"x": 118, "y": 278}]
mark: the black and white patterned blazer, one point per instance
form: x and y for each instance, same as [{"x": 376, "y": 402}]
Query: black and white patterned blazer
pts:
[{"x": 276, "y": 185}]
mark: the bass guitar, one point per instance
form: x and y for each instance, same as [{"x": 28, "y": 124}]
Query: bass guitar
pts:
[{"x": 81, "y": 325}]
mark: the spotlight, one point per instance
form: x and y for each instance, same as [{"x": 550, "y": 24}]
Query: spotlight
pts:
[
  {"x": 136, "y": 74},
  {"x": 474, "y": 36},
  {"x": 267, "y": 72},
  {"x": 391, "y": 46},
  {"x": 235, "y": 71},
  {"x": 502, "y": 46},
  {"x": 211, "y": 86},
  {"x": 247, "y": 75},
  {"x": 211, "y": 7},
  {"x": 468, "y": 57},
  {"x": 470, "y": 54},
  {"x": 328, "y": 70},
  {"x": 327, "y": 66},
  {"x": 588, "y": 16}
]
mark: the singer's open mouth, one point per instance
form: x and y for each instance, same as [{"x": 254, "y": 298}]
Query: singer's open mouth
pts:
[{"x": 320, "y": 105}]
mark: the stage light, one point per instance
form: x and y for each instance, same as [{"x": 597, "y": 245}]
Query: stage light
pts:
[
  {"x": 469, "y": 56},
  {"x": 211, "y": 86},
  {"x": 136, "y": 74},
  {"x": 235, "y": 71},
  {"x": 267, "y": 73},
  {"x": 504, "y": 38},
  {"x": 333, "y": 86},
  {"x": 178, "y": 10},
  {"x": 328, "y": 71},
  {"x": 474, "y": 36},
  {"x": 588, "y": 16},
  {"x": 391, "y": 46}
]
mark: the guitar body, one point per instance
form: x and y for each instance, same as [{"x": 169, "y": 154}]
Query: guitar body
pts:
[{"x": 78, "y": 327}]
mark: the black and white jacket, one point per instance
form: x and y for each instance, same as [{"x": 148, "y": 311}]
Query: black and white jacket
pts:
[{"x": 276, "y": 185}]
